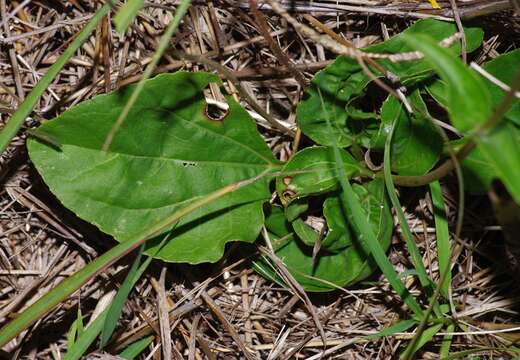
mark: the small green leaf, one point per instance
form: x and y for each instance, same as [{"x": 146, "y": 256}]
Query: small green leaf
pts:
[
  {"x": 339, "y": 235},
  {"x": 504, "y": 68},
  {"x": 305, "y": 232},
  {"x": 167, "y": 153},
  {"x": 501, "y": 149},
  {"x": 134, "y": 349},
  {"x": 127, "y": 14},
  {"x": 296, "y": 208},
  {"x": 416, "y": 144},
  {"x": 311, "y": 171},
  {"x": 468, "y": 100}
]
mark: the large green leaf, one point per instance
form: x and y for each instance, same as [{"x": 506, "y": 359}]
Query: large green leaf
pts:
[
  {"x": 312, "y": 171},
  {"x": 340, "y": 269},
  {"x": 416, "y": 144},
  {"x": 167, "y": 153},
  {"x": 338, "y": 84}
]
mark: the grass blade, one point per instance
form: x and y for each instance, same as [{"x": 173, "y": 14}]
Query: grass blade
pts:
[
  {"x": 112, "y": 313},
  {"x": 443, "y": 236},
  {"x": 15, "y": 123},
  {"x": 446, "y": 342},
  {"x": 424, "y": 337},
  {"x": 161, "y": 48},
  {"x": 84, "y": 341},
  {"x": 401, "y": 326},
  {"x": 369, "y": 239},
  {"x": 126, "y": 14},
  {"x": 410, "y": 243}
]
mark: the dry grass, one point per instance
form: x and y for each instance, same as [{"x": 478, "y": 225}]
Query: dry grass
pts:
[{"x": 223, "y": 310}]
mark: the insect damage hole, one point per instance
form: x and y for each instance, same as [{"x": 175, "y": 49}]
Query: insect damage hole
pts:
[{"x": 216, "y": 110}]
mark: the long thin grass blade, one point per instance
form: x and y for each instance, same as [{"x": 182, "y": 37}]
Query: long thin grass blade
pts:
[
  {"x": 443, "y": 236},
  {"x": 369, "y": 239},
  {"x": 127, "y": 14},
  {"x": 410, "y": 243}
]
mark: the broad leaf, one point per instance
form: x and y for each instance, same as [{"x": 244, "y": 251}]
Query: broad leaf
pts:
[
  {"x": 340, "y": 269},
  {"x": 338, "y": 84},
  {"x": 312, "y": 171},
  {"x": 167, "y": 153},
  {"x": 416, "y": 144}
]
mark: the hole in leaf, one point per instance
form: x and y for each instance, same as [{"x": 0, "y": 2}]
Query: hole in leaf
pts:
[{"x": 215, "y": 112}]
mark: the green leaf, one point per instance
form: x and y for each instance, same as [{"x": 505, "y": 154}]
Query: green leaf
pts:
[
  {"x": 443, "y": 236},
  {"x": 501, "y": 149},
  {"x": 167, "y": 153},
  {"x": 116, "y": 307},
  {"x": 339, "y": 235},
  {"x": 343, "y": 268},
  {"x": 344, "y": 80},
  {"x": 311, "y": 171},
  {"x": 401, "y": 326},
  {"x": 504, "y": 68},
  {"x": 468, "y": 100},
  {"x": 126, "y": 14},
  {"x": 305, "y": 232},
  {"x": 416, "y": 144},
  {"x": 134, "y": 349},
  {"x": 296, "y": 208},
  {"x": 426, "y": 336}
]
